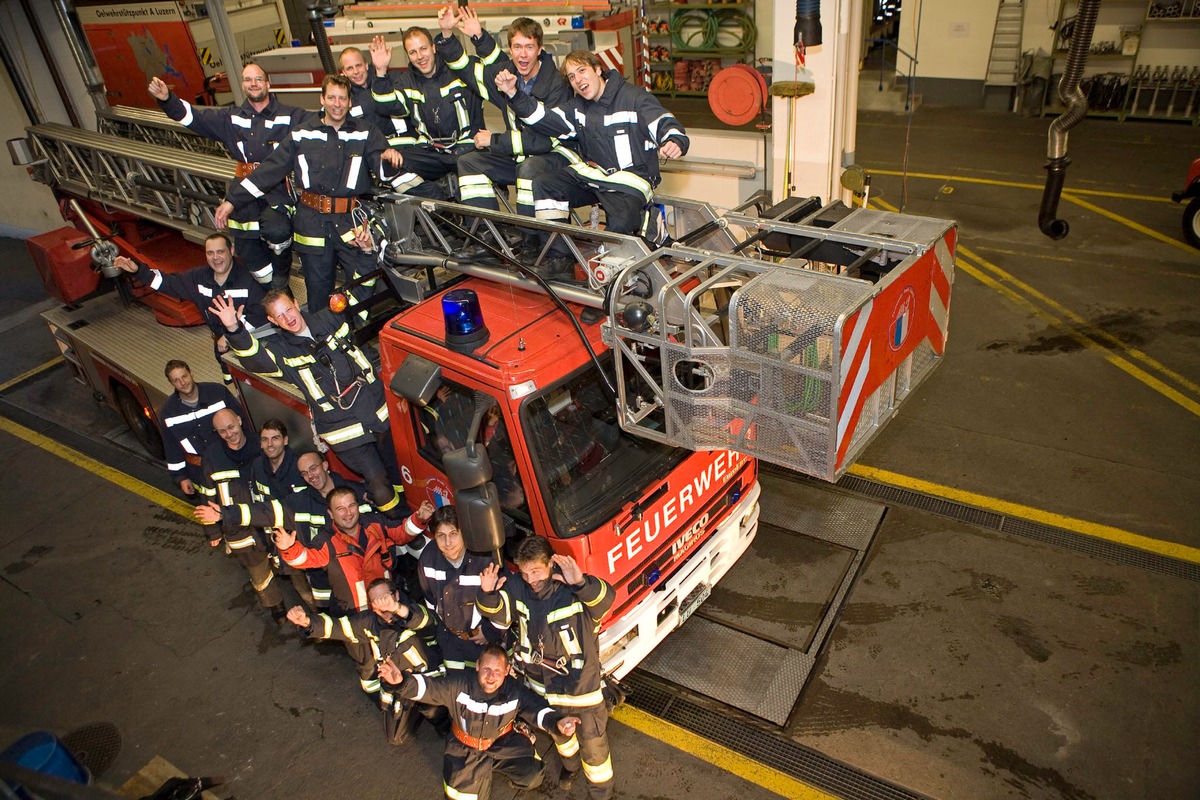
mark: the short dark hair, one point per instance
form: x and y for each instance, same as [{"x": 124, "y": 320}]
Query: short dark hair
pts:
[
  {"x": 415, "y": 30},
  {"x": 391, "y": 587},
  {"x": 584, "y": 57},
  {"x": 446, "y": 515},
  {"x": 529, "y": 28},
  {"x": 346, "y": 50},
  {"x": 534, "y": 548},
  {"x": 336, "y": 80},
  {"x": 340, "y": 491},
  {"x": 273, "y": 295},
  {"x": 492, "y": 649},
  {"x": 173, "y": 365},
  {"x": 218, "y": 235},
  {"x": 274, "y": 425}
]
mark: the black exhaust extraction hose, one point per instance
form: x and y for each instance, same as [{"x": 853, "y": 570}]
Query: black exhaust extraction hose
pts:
[
  {"x": 1075, "y": 100},
  {"x": 316, "y": 20},
  {"x": 808, "y": 23}
]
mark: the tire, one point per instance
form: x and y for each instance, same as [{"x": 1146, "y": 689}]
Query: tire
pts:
[
  {"x": 1191, "y": 222},
  {"x": 141, "y": 426}
]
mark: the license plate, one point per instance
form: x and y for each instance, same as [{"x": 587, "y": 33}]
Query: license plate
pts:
[{"x": 693, "y": 600}]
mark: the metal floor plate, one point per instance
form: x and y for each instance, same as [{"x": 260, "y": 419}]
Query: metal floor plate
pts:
[{"x": 737, "y": 668}]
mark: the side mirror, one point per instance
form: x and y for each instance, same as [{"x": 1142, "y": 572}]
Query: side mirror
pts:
[
  {"x": 475, "y": 497},
  {"x": 417, "y": 380}
]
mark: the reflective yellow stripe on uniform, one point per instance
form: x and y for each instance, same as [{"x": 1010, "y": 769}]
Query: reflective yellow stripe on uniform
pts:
[
  {"x": 575, "y": 700},
  {"x": 600, "y": 773},
  {"x": 310, "y": 241},
  {"x": 344, "y": 434},
  {"x": 565, "y": 612},
  {"x": 233, "y": 224},
  {"x": 568, "y": 748},
  {"x": 455, "y": 794}
]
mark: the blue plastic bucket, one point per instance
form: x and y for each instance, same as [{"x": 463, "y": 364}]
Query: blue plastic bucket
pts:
[{"x": 44, "y": 752}]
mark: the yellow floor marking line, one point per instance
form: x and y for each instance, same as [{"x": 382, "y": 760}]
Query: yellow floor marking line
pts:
[
  {"x": 98, "y": 469},
  {"x": 1172, "y": 549},
  {"x": 1153, "y": 198},
  {"x": 1142, "y": 229},
  {"x": 722, "y": 757},
  {"x": 1113, "y": 358},
  {"x": 27, "y": 374},
  {"x": 1121, "y": 363},
  {"x": 1085, "y": 327}
]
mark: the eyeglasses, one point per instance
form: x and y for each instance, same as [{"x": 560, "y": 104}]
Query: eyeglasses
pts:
[{"x": 254, "y": 80}]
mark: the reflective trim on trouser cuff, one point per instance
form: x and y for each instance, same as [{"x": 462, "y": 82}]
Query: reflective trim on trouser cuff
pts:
[
  {"x": 454, "y": 794},
  {"x": 568, "y": 748},
  {"x": 600, "y": 773}
]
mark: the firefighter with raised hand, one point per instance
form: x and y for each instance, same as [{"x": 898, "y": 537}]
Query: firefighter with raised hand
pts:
[
  {"x": 554, "y": 611},
  {"x": 226, "y": 465},
  {"x": 488, "y": 709},
  {"x": 187, "y": 426},
  {"x": 304, "y": 510},
  {"x": 449, "y": 577},
  {"x": 446, "y": 113},
  {"x": 263, "y": 229},
  {"x": 389, "y": 630},
  {"x": 331, "y": 160},
  {"x": 221, "y": 276},
  {"x": 620, "y": 131},
  {"x": 518, "y": 154},
  {"x": 316, "y": 353}
]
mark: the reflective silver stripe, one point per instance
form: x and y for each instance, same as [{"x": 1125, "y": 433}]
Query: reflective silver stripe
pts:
[
  {"x": 175, "y": 466},
  {"x": 282, "y": 121},
  {"x": 576, "y": 700},
  {"x": 302, "y": 162},
  {"x": 620, "y": 118},
  {"x": 436, "y": 574},
  {"x": 653, "y": 126},
  {"x": 249, "y": 186},
  {"x": 240, "y": 121},
  {"x": 355, "y": 168},
  {"x": 353, "y": 136},
  {"x": 623, "y": 150},
  {"x": 470, "y": 580},
  {"x": 241, "y": 544},
  {"x": 538, "y": 114},
  {"x": 302, "y": 135},
  {"x": 484, "y": 707},
  {"x": 199, "y": 413},
  {"x": 188, "y": 116}
]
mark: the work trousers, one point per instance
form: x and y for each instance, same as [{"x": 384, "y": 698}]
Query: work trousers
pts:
[
  {"x": 376, "y": 463},
  {"x": 623, "y": 196},
  {"x": 466, "y": 771},
  {"x": 267, "y": 251},
  {"x": 320, "y": 267},
  {"x": 481, "y": 171},
  {"x": 257, "y": 562},
  {"x": 588, "y": 747},
  {"x": 401, "y": 718},
  {"x": 423, "y": 164}
]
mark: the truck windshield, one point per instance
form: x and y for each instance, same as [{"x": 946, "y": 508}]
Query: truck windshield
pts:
[{"x": 588, "y": 468}]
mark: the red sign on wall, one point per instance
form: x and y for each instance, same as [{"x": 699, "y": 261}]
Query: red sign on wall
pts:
[{"x": 135, "y": 42}]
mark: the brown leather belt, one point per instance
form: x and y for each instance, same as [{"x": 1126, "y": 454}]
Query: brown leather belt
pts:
[
  {"x": 328, "y": 205},
  {"x": 243, "y": 169},
  {"x": 477, "y": 744}
]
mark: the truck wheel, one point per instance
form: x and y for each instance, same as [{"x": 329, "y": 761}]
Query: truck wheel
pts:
[
  {"x": 1191, "y": 222},
  {"x": 142, "y": 428}
]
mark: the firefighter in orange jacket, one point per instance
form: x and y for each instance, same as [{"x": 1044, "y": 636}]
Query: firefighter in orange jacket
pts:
[{"x": 358, "y": 551}]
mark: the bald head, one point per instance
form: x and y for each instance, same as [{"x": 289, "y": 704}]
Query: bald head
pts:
[
  {"x": 315, "y": 472},
  {"x": 228, "y": 426}
]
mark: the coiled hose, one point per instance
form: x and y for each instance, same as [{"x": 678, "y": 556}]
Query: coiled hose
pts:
[{"x": 1073, "y": 97}]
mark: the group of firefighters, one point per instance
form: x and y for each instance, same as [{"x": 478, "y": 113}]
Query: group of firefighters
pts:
[{"x": 486, "y": 655}]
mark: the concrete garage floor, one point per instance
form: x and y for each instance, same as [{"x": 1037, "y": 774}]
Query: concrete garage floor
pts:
[{"x": 967, "y": 663}]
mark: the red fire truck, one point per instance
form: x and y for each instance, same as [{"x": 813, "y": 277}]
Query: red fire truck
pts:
[{"x": 621, "y": 415}]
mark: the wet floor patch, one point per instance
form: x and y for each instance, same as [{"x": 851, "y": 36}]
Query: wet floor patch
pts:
[{"x": 30, "y": 557}]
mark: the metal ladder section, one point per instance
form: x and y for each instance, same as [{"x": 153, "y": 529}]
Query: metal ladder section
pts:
[
  {"x": 179, "y": 190},
  {"x": 154, "y": 127},
  {"x": 1004, "y": 59}
]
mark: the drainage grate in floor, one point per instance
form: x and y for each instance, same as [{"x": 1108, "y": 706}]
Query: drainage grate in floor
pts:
[
  {"x": 800, "y": 762},
  {"x": 1069, "y": 540}
]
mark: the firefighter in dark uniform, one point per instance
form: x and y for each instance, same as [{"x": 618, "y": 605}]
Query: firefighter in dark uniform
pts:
[
  {"x": 447, "y": 114},
  {"x": 315, "y": 352},
  {"x": 222, "y": 277},
  {"x": 226, "y": 465},
  {"x": 399, "y": 130},
  {"x": 449, "y": 576},
  {"x": 331, "y": 160},
  {"x": 306, "y": 512},
  {"x": 554, "y": 611},
  {"x": 389, "y": 630},
  {"x": 485, "y": 706},
  {"x": 262, "y": 230},
  {"x": 187, "y": 427},
  {"x": 518, "y": 154},
  {"x": 620, "y": 130}
]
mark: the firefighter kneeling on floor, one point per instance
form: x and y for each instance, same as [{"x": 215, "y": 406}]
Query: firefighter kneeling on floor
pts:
[
  {"x": 489, "y": 710},
  {"x": 554, "y": 611}
]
